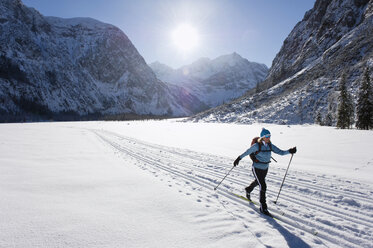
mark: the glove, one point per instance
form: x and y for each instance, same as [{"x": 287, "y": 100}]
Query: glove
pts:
[
  {"x": 235, "y": 163},
  {"x": 293, "y": 150}
]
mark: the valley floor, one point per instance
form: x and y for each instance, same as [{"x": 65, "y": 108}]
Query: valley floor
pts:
[{"x": 151, "y": 184}]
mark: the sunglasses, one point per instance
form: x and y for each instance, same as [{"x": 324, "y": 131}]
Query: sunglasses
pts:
[{"x": 267, "y": 136}]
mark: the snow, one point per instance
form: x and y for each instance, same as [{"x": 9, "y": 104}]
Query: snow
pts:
[
  {"x": 150, "y": 184},
  {"x": 86, "y": 21}
]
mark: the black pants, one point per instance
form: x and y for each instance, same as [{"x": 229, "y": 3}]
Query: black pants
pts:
[{"x": 260, "y": 176}]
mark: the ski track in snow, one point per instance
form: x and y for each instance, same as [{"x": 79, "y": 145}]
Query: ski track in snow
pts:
[{"x": 323, "y": 207}]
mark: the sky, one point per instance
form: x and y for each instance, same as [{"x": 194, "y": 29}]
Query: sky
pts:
[{"x": 253, "y": 29}]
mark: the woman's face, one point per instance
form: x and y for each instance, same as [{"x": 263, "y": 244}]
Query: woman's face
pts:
[{"x": 267, "y": 139}]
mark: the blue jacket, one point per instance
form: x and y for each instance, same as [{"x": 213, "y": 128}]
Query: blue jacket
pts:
[{"x": 263, "y": 156}]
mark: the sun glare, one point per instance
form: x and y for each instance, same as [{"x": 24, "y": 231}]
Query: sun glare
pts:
[{"x": 185, "y": 37}]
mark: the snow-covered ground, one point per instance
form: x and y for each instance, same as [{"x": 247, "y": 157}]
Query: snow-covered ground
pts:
[{"x": 150, "y": 184}]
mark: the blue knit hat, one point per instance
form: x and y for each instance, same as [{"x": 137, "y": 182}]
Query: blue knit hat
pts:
[{"x": 264, "y": 132}]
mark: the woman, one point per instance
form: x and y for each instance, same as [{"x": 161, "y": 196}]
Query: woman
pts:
[{"x": 261, "y": 155}]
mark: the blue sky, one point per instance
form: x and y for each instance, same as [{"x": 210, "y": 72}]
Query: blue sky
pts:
[{"x": 255, "y": 29}]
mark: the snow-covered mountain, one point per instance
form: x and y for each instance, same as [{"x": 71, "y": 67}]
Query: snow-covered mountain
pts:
[
  {"x": 333, "y": 38},
  {"x": 75, "y": 67},
  {"x": 214, "y": 81}
]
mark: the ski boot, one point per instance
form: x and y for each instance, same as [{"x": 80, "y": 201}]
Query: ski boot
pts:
[
  {"x": 248, "y": 195},
  {"x": 265, "y": 212}
]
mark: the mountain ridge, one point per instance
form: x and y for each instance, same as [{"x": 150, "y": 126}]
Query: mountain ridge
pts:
[
  {"x": 53, "y": 66},
  {"x": 330, "y": 40},
  {"x": 214, "y": 81}
]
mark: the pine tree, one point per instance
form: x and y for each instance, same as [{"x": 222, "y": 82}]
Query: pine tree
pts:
[
  {"x": 318, "y": 118},
  {"x": 328, "y": 120},
  {"x": 345, "y": 106},
  {"x": 364, "y": 108},
  {"x": 300, "y": 110},
  {"x": 257, "y": 88},
  {"x": 351, "y": 110}
]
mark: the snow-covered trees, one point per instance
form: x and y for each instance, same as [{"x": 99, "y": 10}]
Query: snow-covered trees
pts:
[
  {"x": 318, "y": 119},
  {"x": 364, "y": 108},
  {"x": 300, "y": 110},
  {"x": 345, "y": 112}
]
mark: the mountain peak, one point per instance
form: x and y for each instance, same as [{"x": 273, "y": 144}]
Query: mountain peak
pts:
[
  {"x": 159, "y": 65},
  {"x": 229, "y": 60},
  {"x": 234, "y": 55},
  {"x": 77, "y": 21},
  {"x": 214, "y": 81}
]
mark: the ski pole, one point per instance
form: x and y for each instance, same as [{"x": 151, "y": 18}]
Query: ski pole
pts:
[
  {"x": 224, "y": 178},
  {"x": 275, "y": 202}
]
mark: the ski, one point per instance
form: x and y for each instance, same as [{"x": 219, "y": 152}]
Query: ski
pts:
[
  {"x": 279, "y": 218},
  {"x": 255, "y": 203},
  {"x": 244, "y": 198}
]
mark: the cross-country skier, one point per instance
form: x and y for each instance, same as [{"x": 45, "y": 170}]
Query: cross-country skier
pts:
[{"x": 260, "y": 153}]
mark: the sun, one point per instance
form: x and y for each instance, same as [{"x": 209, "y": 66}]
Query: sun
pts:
[{"x": 185, "y": 37}]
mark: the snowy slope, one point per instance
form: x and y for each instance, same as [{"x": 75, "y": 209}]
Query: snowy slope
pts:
[
  {"x": 303, "y": 79},
  {"x": 214, "y": 81},
  {"x": 150, "y": 184}
]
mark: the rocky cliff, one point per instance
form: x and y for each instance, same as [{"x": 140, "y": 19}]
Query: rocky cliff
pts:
[
  {"x": 75, "y": 67},
  {"x": 333, "y": 38}
]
